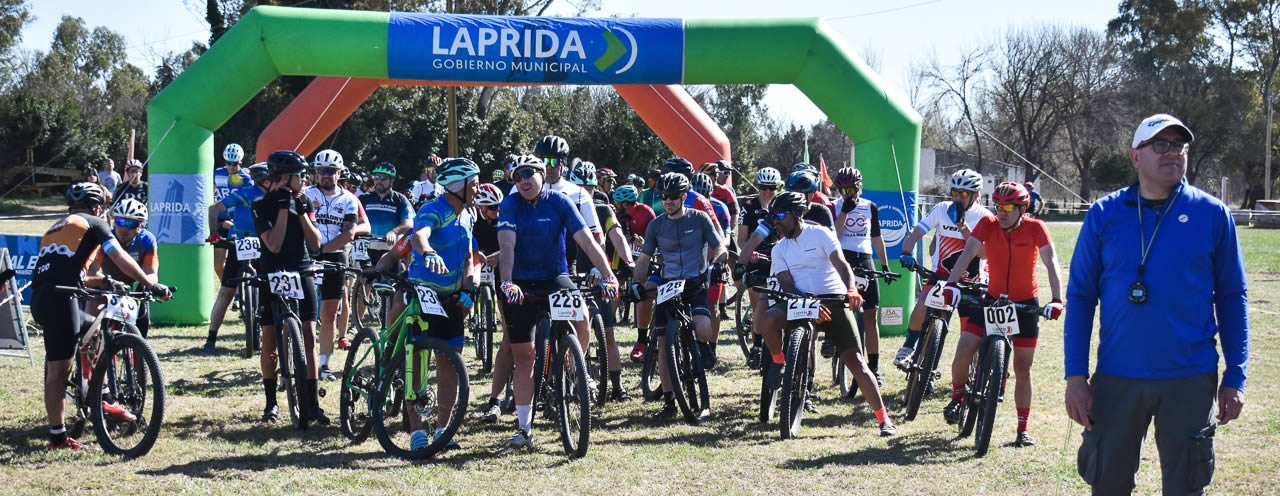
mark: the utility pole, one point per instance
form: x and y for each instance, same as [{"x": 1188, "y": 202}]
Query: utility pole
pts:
[{"x": 452, "y": 102}]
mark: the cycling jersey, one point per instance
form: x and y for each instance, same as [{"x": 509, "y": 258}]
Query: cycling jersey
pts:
[
  {"x": 224, "y": 183},
  {"x": 637, "y": 220},
  {"x": 449, "y": 234},
  {"x": 332, "y": 211},
  {"x": 949, "y": 238},
  {"x": 128, "y": 190},
  {"x": 753, "y": 214},
  {"x": 862, "y": 224},
  {"x": 722, "y": 214},
  {"x": 385, "y": 212},
  {"x": 808, "y": 259},
  {"x": 485, "y": 233},
  {"x": 651, "y": 198},
  {"x": 142, "y": 248},
  {"x": 725, "y": 194},
  {"x": 599, "y": 197},
  {"x": 425, "y": 190},
  {"x": 293, "y": 253},
  {"x": 1012, "y": 256},
  {"x": 240, "y": 202},
  {"x": 541, "y": 230},
  {"x": 67, "y": 248},
  {"x": 684, "y": 243}
]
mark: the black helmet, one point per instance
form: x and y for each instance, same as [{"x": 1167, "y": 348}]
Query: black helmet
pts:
[
  {"x": 85, "y": 192},
  {"x": 678, "y": 165},
  {"x": 552, "y": 147},
  {"x": 653, "y": 174},
  {"x": 286, "y": 162},
  {"x": 789, "y": 201},
  {"x": 802, "y": 181},
  {"x": 672, "y": 183},
  {"x": 258, "y": 171}
]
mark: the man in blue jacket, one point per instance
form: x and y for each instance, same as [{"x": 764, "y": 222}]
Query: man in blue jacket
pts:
[{"x": 1162, "y": 261}]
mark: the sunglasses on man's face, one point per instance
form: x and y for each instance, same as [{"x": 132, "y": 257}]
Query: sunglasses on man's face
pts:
[
  {"x": 127, "y": 223},
  {"x": 491, "y": 208},
  {"x": 768, "y": 188},
  {"x": 1006, "y": 207},
  {"x": 524, "y": 174},
  {"x": 551, "y": 162},
  {"x": 675, "y": 197},
  {"x": 850, "y": 191},
  {"x": 326, "y": 171},
  {"x": 961, "y": 192},
  {"x": 779, "y": 215}
]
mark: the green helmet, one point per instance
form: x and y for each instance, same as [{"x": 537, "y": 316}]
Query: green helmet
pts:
[
  {"x": 456, "y": 169},
  {"x": 385, "y": 168},
  {"x": 626, "y": 193},
  {"x": 497, "y": 175}
]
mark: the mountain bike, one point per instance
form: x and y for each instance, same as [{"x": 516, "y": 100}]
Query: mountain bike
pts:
[
  {"x": 114, "y": 364},
  {"x": 673, "y": 300},
  {"x": 989, "y": 370},
  {"x": 484, "y": 319},
  {"x": 367, "y": 306},
  {"x": 923, "y": 370},
  {"x": 797, "y": 345},
  {"x": 839, "y": 372},
  {"x": 560, "y": 369},
  {"x": 247, "y": 249}
]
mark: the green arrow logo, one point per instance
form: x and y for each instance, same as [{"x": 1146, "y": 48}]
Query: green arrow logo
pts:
[{"x": 614, "y": 51}]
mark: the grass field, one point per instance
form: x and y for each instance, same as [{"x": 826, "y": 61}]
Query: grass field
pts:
[{"x": 211, "y": 443}]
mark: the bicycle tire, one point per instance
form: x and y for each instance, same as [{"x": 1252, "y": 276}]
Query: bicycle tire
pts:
[
  {"x": 841, "y": 376},
  {"x": 650, "y": 382},
  {"x": 249, "y": 315},
  {"x": 396, "y": 443},
  {"x": 489, "y": 320},
  {"x": 768, "y": 396},
  {"x": 742, "y": 324},
  {"x": 140, "y": 383},
  {"x": 293, "y": 370},
  {"x": 994, "y": 367},
  {"x": 794, "y": 381},
  {"x": 542, "y": 347},
  {"x": 968, "y": 413},
  {"x": 571, "y": 394},
  {"x": 359, "y": 380},
  {"x": 918, "y": 379},
  {"x": 601, "y": 362},
  {"x": 77, "y": 397}
]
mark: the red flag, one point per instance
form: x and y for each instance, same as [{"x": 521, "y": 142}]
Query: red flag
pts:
[{"x": 822, "y": 167}]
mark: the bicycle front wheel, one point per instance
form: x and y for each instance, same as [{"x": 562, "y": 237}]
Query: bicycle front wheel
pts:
[
  {"x": 742, "y": 324},
  {"x": 918, "y": 377},
  {"x": 437, "y": 405},
  {"x": 601, "y": 362},
  {"x": 650, "y": 382},
  {"x": 795, "y": 376},
  {"x": 994, "y": 366},
  {"x": 684, "y": 370},
  {"x": 293, "y": 369},
  {"x": 572, "y": 397},
  {"x": 249, "y": 314},
  {"x": 359, "y": 380},
  {"x": 128, "y": 375}
]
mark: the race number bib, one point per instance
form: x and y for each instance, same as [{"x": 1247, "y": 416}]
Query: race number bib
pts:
[
  {"x": 360, "y": 250},
  {"x": 861, "y": 282},
  {"x": 566, "y": 305},
  {"x": 286, "y": 284},
  {"x": 802, "y": 308},
  {"x": 122, "y": 309},
  {"x": 772, "y": 284},
  {"x": 1001, "y": 320},
  {"x": 248, "y": 249},
  {"x": 670, "y": 290},
  {"x": 486, "y": 275},
  {"x": 934, "y": 299},
  {"x": 429, "y": 301},
  {"x": 318, "y": 275}
]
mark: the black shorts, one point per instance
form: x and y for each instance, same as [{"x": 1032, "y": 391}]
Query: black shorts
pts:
[
  {"x": 695, "y": 293},
  {"x": 522, "y": 317},
  {"x": 757, "y": 272},
  {"x": 871, "y": 296},
  {"x": 607, "y": 316},
  {"x": 59, "y": 317},
  {"x": 448, "y": 328},
  {"x": 233, "y": 268},
  {"x": 841, "y": 330},
  {"x": 1028, "y": 323},
  {"x": 306, "y": 306},
  {"x": 374, "y": 256},
  {"x": 331, "y": 286}
]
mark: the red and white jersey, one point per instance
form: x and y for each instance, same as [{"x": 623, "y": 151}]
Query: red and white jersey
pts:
[{"x": 949, "y": 238}]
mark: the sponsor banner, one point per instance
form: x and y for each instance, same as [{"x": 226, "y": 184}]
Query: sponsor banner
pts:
[
  {"x": 895, "y": 220},
  {"x": 179, "y": 207},
  {"x": 23, "y": 251},
  {"x": 542, "y": 50}
]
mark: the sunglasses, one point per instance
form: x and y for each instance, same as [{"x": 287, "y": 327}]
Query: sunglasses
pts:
[
  {"x": 780, "y": 215},
  {"x": 551, "y": 162},
  {"x": 491, "y": 208},
  {"x": 128, "y": 223},
  {"x": 1006, "y": 207},
  {"x": 674, "y": 197},
  {"x": 381, "y": 177},
  {"x": 850, "y": 191},
  {"x": 961, "y": 192},
  {"x": 326, "y": 171},
  {"x": 525, "y": 173},
  {"x": 768, "y": 188}
]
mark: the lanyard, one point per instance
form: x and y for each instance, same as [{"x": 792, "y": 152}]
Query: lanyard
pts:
[{"x": 1145, "y": 248}]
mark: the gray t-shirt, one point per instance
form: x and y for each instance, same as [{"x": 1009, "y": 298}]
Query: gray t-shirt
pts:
[{"x": 683, "y": 242}]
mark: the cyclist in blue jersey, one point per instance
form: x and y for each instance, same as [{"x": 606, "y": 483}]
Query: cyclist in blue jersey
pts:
[
  {"x": 226, "y": 179},
  {"x": 390, "y": 213},
  {"x": 128, "y": 217},
  {"x": 532, "y": 228},
  {"x": 702, "y": 185},
  {"x": 239, "y": 202}
]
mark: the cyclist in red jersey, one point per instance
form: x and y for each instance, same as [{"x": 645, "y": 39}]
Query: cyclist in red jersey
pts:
[
  {"x": 636, "y": 217},
  {"x": 1011, "y": 244}
]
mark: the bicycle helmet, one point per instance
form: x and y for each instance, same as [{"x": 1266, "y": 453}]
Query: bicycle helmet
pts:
[
  {"x": 584, "y": 174},
  {"x": 790, "y": 202},
  {"x": 286, "y": 162},
  {"x": 529, "y": 161},
  {"x": 802, "y": 166},
  {"x": 965, "y": 180},
  {"x": 606, "y": 173},
  {"x": 328, "y": 158},
  {"x": 131, "y": 209},
  {"x": 233, "y": 153},
  {"x": 678, "y": 165},
  {"x": 456, "y": 169},
  {"x": 701, "y": 184},
  {"x": 509, "y": 162},
  {"x": 672, "y": 183},
  {"x": 1011, "y": 192},
  {"x": 802, "y": 181},
  {"x": 85, "y": 192},
  {"x": 552, "y": 147},
  {"x": 258, "y": 171},
  {"x": 847, "y": 177},
  {"x": 384, "y": 168},
  {"x": 626, "y": 194},
  {"x": 487, "y": 195},
  {"x": 497, "y": 175},
  {"x": 768, "y": 176},
  {"x": 355, "y": 178},
  {"x": 637, "y": 181},
  {"x": 432, "y": 160}
]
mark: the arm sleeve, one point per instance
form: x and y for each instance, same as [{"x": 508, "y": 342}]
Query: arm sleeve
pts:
[
  {"x": 875, "y": 219},
  {"x": 1082, "y": 294},
  {"x": 1230, "y": 298},
  {"x": 262, "y": 220},
  {"x": 403, "y": 207},
  {"x": 650, "y": 239},
  {"x": 573, "y": 219},
  {"x": 932, "y": 218},
  {"x": 233, "y": 200}
]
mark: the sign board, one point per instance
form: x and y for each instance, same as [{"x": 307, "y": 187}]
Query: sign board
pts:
[
  {"x": 13, "y": 331},
  {"x": 23, "y": 250}
]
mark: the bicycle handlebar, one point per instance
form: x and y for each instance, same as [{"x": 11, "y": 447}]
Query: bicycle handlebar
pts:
[{"x": 115, "y": 289}]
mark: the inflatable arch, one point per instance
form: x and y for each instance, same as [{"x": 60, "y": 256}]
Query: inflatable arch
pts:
[{"x": 269, "y": 42}]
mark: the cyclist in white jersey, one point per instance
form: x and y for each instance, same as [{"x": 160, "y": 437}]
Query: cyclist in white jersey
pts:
[
  {"x": 965, "y": 186},
  {"x": 337, "y": 217},
  {"x": 858, "y": 229}
]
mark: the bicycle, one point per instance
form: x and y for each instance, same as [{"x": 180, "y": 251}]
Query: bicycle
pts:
[
  {"x": 114, "y": 363},
  {"x": 984, "y": 388},
  {"x": 560, "y": 384},
  {"x": 839, "y": 373},
  {"x": 923, "y": 371},
  {"x": 484, "y": 322},
  {"x": 798, "y": 345},
  {"x": 365, "y": 304},
  {"x": 378, "y": 371},
  {"x": 743, "y": 307},
  {"x": 684, "y": 359},
  {"x": 247, "y": 249}
]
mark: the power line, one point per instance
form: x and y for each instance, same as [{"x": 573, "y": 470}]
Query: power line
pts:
[{"x": 895, "y": 9}]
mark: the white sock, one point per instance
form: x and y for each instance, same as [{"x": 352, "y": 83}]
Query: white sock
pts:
[
  {"x": 524, "y": 415},
  {"x": 324, "y": 360}
]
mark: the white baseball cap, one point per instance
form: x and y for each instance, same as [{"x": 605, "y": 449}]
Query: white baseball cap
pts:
[{"x": 1152, "y": 126}]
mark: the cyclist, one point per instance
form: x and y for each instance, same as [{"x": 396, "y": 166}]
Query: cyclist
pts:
[
  {"x": 503, "y": 180},
  {"x": 649, "y": 196},
  {"x": 240, "y": 203},
  {"x": 533, "y": 224},
  {"x": 755, "y": 211},
  {"x": 953, "y": 220},
  {"x": 805, "y": 181},
  {"x": 1037, "y": 205},
  {"x": 226, "y": 179},
  {"x": 425, "y": 188},
  {"x": 282, "y": 220},
  {"x": 807, "y": 260},
  {"x": 132, "y": 186},
  {"x": 337, "y": 218},
  {"x": 721, "y": 173},
  {"x": 65, "y": 251},
  {"x": 608, "y": 181},
  {"x": 390, "y": 213},
  {"x": 488, "y": 199},
  {"x": 702, "y": 185},
  {"x": 128, "y": 217},
  {"x": 1011, "y": 244},
  {"x": 689, "y": 242},
  {"x": 634, "y": 218},
  {"x": 859, "y": 233},
  {"x": 353, "y": 182}
]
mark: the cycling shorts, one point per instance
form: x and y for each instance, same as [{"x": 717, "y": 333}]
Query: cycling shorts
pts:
[
  {"x": 841, "y": 330},
  {"x": 1028, "y": 324},
  {"x": 306, "y": 306},
  {"x": 521, "y": 318},
  {"x": 59, "y": 317},
  {"x": 757, "y": 272},
  {"x": 448, "y": 328},
  {"x": 962, "y": 310},
  {"x": 607, "y": 316},
  {"x": 871, "y": 296},
  {"x": 331, "y": 286},
  {"x": 233, "y": 268},
  {"x": 696, "y": 295}
]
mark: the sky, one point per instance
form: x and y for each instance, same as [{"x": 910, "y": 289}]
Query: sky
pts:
[{"x": 897, "y": 33}]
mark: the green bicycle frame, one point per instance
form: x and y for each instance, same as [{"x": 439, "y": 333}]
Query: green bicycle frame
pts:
[{"x": 400, "y": 329}]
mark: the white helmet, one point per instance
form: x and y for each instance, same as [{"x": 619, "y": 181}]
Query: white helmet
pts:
[
  {"x": 488, "y": 195},
  {"x": 328, "y": 158},
  {"x": 233, "y": 153},
  {"x": 131, "y": 209},
  {"x": 966, "y": 180},
  {"x": 769, "y": 176}
]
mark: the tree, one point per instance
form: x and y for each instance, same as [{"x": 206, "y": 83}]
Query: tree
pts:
[
  {"x": 955, "y": 85},
  {"x": 1027, "y": 92}
]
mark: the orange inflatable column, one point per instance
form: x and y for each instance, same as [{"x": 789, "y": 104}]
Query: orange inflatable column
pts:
[
  {"x": 678, "y": 120},
  {"x": 314, "y": 115}
]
